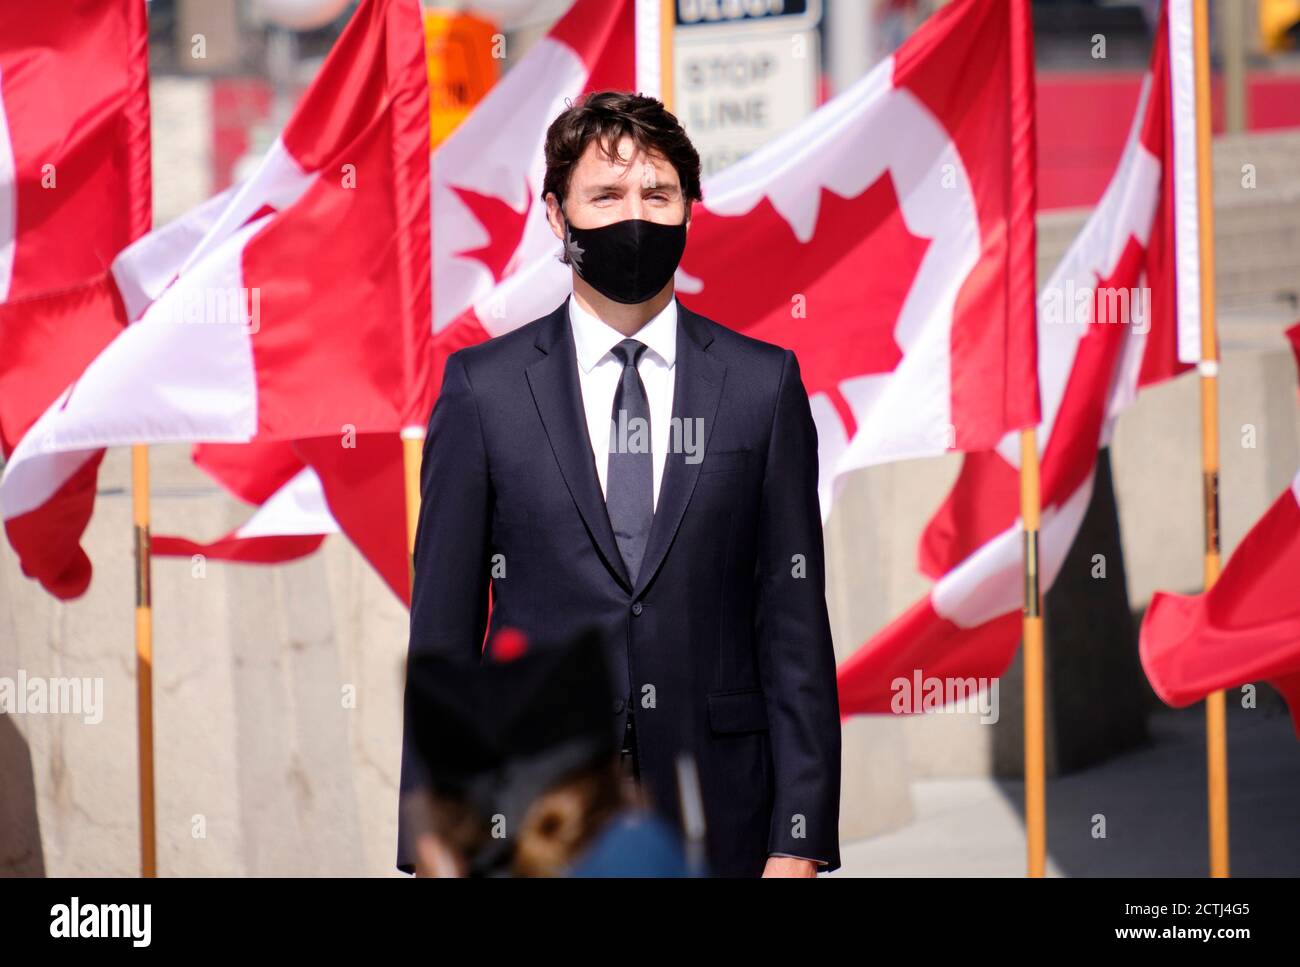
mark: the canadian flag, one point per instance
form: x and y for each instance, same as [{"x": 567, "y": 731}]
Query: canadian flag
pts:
[
  {"x": 1120, "y": 312},
  {"x": 901, "y": 214},
  {"x": 292, "y": 517},
  {"x": 296, "y": 305},
  {"x": 74, "y": 190},
  {"x": 1246, "y": 627},
  {"x": 485, "y": 179},
  {"x": 248, "y": 305},
  {"x": 889, "y": 240}
]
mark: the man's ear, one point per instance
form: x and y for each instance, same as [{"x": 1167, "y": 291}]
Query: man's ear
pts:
[{"x": 554, "y": 213}]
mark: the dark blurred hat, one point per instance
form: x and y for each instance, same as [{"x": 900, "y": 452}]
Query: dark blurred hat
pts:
[{"x": 500, "y": 733}]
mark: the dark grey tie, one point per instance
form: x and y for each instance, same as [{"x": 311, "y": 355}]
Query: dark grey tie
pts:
[{"x": 629, "y": 481}]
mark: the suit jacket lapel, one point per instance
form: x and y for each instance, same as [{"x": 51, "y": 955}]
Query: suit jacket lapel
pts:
[
  {"x": 553, "y": 380},
  {"x": 697, "y": 387}
]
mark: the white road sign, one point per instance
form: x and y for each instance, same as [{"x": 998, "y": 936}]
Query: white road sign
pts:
[{"x": 738, "y": 88}]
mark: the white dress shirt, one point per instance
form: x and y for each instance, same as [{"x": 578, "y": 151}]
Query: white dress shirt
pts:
[{"x": 599, "y": 371}]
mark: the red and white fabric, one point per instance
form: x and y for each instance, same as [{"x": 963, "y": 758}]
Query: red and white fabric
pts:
[
  {"x": 489, "y": 221},
  {"x": 74, "y": 190},
  {"x": 1244, "y": 629},
  {"x": 888, "y": 240},
  {"x": 291, "y": 518},
  {"x": 900, "y": 214},
  {"x": 303, "y": 308},
  {"x": 1090, "y": 366},
  {"x": 915, "y": 266}
]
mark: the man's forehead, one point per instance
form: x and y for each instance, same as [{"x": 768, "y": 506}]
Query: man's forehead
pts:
[{"x": 595, "y": 165}]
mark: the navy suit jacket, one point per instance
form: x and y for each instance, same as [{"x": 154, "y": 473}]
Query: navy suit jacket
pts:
[{"x": 722, "y": 644}]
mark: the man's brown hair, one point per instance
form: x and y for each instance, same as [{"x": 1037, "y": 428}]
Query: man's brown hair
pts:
[{"x": 607, "y": 117}]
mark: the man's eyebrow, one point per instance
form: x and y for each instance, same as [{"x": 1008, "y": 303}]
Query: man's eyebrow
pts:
[{"x": 618, "y": 186}]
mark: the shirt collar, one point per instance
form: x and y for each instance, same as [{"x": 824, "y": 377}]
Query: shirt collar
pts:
[{"x": 593, "y": 338}]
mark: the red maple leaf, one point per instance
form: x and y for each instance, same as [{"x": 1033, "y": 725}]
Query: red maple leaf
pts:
[
  {"x": 504, "y": 226},
  {"x": 834, "y": 299}
]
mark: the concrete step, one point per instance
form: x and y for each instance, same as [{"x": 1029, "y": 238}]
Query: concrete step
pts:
[{"x": 1256, "y": 229}]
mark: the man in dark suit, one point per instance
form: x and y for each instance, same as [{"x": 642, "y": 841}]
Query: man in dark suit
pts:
[{"x": 628, "y": 465}]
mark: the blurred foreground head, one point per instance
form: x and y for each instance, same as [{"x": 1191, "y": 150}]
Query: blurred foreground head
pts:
[{"x": 520, "y": 755}]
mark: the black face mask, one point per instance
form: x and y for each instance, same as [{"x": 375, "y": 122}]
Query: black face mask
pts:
[{"x": 628, "y": 261}]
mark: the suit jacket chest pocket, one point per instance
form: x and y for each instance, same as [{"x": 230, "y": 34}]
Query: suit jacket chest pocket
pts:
[{"x": 724, "y": 461}]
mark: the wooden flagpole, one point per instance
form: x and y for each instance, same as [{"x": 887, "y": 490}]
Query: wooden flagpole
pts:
[
  {"x": 412, "y": 452},
  {"x": 1216, "y": 726},
  {"x": 667, "y": 20},
  {"x": 1035, "y": 748},
  {"x": 144, "y": 658}
]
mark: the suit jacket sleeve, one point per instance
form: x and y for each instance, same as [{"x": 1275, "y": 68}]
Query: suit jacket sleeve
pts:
[
  {"x": 796, "y": 656},
  {"x": 451, "y": 558}
]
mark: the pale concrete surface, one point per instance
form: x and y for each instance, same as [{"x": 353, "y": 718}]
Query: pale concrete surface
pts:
[
  {"x": 1152, "y": 802},
  {"x": 874, "y": 525},
  {"x": 182, "y": 157},
  {"x": 277, "y": 704},
  {"x": 1157, "y": 462}
]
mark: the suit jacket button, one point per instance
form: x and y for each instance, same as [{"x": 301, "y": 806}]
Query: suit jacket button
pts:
[{"x": 636, "y": 608}]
